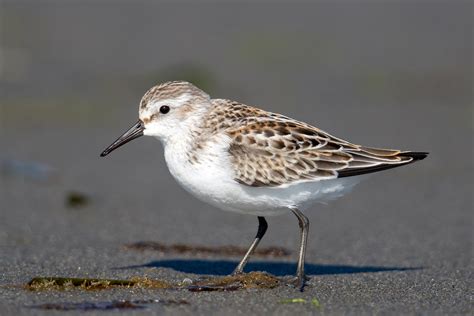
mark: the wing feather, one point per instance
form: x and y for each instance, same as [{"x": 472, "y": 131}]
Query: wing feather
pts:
[{"x": 272, "y": 150}]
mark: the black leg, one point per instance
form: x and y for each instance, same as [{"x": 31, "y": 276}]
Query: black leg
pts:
[
  {"x": 304, "y": 226},
  {"x": 262, "y": 228}
]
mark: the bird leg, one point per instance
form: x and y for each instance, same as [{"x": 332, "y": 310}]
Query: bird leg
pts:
[
  {"x": 262, "y": 228},
  {"x": 304, "y": 226}
]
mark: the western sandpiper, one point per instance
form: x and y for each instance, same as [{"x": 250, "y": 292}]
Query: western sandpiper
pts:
[{"x": 243, "y": 159}]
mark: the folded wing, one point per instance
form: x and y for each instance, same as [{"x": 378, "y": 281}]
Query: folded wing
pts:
[{"x": 277, "y": 151}]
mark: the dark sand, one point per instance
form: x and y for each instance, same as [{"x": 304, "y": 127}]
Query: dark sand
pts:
[{"x": 396, "y": 76}]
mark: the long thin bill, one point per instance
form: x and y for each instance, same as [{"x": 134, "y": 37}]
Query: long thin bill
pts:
[{"x": 134, "y": 132}]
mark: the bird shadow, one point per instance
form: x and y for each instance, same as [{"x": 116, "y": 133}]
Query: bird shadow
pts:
[{"x": 225, "y": 267}]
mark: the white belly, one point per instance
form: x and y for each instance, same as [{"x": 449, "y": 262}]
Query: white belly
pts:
[{"x": 211, "y": 180}]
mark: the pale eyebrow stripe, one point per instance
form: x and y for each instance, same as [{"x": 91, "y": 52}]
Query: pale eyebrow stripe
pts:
[{"x": 179, "y": 101}]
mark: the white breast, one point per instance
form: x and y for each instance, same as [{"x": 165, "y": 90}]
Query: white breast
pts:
[{"x": 211, "y": 179}]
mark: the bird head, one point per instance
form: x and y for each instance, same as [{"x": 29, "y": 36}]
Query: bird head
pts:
[{"x": 166, "y": 110}]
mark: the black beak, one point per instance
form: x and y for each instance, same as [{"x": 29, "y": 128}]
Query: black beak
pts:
[{"x": 134, "y": 132}]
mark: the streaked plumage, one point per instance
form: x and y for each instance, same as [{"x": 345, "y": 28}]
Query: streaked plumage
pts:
[
  {"x": 244, "y": 159},
  {"x": 269, "y": 149}
]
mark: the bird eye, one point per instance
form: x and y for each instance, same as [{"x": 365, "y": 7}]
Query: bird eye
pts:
[{"x": 164, "y": 109}]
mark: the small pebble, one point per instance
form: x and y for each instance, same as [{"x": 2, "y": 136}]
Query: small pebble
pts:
[{"x": 187, "y": 281}]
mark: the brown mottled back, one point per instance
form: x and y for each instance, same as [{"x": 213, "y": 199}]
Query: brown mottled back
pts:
[{"x": 269, "y": 149}]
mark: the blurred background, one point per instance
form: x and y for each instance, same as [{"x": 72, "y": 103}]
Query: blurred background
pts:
[{"x": 394, "y": 74}]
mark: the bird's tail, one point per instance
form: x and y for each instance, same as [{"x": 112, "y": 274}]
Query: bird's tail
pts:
[
  {"x": 416, "y": 155},
  {"x": 372, "y": 160}
]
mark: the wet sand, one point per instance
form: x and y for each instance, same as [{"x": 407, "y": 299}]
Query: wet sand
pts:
[{"x": 400, "y": 243}]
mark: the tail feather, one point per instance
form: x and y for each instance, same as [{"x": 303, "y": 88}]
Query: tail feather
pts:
[
  {"x": 416, "y": 155},
  {"x": 384, "y": 166}
]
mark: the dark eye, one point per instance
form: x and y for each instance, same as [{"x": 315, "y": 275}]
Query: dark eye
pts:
[{"x": 164, "y": 109}]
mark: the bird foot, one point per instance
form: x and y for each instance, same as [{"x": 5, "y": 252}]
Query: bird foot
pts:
[
  {"x": 298, "y": 282},
  {"x": 237, "y": 272}
]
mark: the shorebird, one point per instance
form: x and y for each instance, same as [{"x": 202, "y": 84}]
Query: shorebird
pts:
[{"x": 243, "y": 159}]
